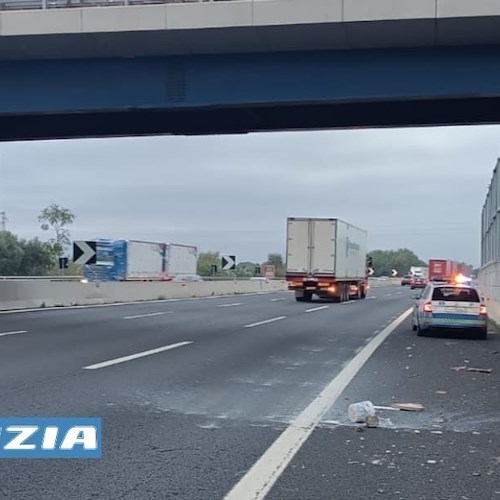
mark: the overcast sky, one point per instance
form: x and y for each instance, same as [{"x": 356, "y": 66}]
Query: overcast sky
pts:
[{"x": 418, "y": 188}]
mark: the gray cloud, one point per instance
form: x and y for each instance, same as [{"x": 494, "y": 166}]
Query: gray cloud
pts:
[{"x": 417, "y": 188}]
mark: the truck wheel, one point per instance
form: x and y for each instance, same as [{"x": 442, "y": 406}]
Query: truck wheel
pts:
[
  {"x": 363, "y": 293},
  {"x": 299, "y": 299},
  {"x": 308, "y": 296}
]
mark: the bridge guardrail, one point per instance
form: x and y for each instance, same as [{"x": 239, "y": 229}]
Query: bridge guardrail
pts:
[{"x": 68, "y": 4}]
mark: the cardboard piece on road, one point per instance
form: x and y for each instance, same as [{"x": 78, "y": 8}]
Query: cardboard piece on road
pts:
[
  {"x": 408, "y": 406},
  {"x": 480, "y": 370}
]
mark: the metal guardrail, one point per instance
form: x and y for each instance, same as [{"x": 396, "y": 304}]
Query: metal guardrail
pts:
[
  {"x": 68, "y": 4},
  {"x": 41, "y": 278},
  {"x": 79, "y": 278}
]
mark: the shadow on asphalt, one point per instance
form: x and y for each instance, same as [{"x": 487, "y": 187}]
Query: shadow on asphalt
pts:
[{"x": 455, "y": 333}]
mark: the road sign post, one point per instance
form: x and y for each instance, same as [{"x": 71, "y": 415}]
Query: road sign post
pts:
[
  {"x": 63, "y": 264},
  {"x": 213, "y": 270}
]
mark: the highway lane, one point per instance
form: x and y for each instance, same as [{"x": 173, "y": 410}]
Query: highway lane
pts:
[
  {"x": 184, "y": 423},
  {"x": 58, "y": 341}
]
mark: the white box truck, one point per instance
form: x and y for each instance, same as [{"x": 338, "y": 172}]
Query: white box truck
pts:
[
  {"x": 181, "y": 260},
  {"x": 139, "y": 260},
  {"x": 326, "y": 258}
]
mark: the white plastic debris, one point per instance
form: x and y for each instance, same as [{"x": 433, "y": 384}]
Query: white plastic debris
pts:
[{"x": 359, "y": 412}]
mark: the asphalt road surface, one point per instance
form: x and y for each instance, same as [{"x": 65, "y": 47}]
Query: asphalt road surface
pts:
[{"x": 246, "y": 397}]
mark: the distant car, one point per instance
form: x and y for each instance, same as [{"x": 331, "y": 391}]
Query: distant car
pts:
[
  {"x": 183, "y": 278},
  {"x": 418, "y": 282},
  {"x": 406, "y": 280},
  {"x": 450, "y": 306}
]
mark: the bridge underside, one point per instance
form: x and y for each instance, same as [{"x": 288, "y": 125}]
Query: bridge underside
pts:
[
  {"x": 222, "y": 94},
  {"x": 236, "y": 120}
]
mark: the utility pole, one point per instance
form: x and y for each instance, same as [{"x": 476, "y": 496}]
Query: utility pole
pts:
[{"x": 3, "y": 221}]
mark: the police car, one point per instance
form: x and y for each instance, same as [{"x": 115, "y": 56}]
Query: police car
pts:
[{"x": 450, "y": 306}]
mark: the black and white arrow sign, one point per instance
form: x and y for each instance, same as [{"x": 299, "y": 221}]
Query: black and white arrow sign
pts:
[
  {"x": 394, "y": 273},
  {"x": 84, "y": 252},
  {"x": 371, "y": 271},
  {"x": 228, "y": 262}
]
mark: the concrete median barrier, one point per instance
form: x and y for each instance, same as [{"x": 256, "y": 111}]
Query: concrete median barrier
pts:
[
  {"x": 489, "y": 284},
  {"x": 34, "y": 294}
]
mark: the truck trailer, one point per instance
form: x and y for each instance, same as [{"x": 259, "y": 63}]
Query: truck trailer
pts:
[
  {"x": 139, "y": 261},
  {"x": 326, "y": 258},
  {"x": 182, "y": 260},
  {"x": 443, "y": 270},
  {"x": 131, "y": 260}
]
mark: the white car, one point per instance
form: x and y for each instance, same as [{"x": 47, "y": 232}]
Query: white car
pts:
[{"x": 450, "y": 306}]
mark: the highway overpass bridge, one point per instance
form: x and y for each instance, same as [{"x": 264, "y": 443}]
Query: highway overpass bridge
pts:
[{"x": 73, "y": 70}]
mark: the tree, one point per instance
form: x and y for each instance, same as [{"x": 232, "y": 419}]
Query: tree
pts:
[
  {"x": 384, "y": 261},
  {"x": 38, "y": 258},
  {"x": 246, "y": 269},
  {"x": 57, "y": 218},
  {"x": 205, "y": 262},
  {"x": 11, "y": 254},
  {"x": 24, "y": 257},
  {"x": 276, "y": 260}
]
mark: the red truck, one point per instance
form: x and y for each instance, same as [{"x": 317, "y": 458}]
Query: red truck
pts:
[{"x": 443, "y": 270}]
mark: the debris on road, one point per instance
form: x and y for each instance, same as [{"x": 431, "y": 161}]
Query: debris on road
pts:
[
  {"x": 470, "y": 369},
  {"x": 372, "y": 421},
  {"x": 480, "y": 370},
  {"x": 358, "y": 412},
  {"x": 408, "y": 406}
]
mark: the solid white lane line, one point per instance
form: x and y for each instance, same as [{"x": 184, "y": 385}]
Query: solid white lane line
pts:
[
  {"x": 348, "y": 302},
  {"x": 123, "y": 359},
  {"x": 265, "y": 322},
  {"x": 230, "y": 305},
  {"x": 147, "y": 315},
  {"x": 316, "y": 309},
  {"x": 4, "y": 334},
  {"x": 259, "y": 480},
  {"x": 276, "y": 300}
]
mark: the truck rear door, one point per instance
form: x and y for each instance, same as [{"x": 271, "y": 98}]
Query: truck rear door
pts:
[
  {"x": 322, "y": 246},
  {"x": 298, "y": 243}
]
